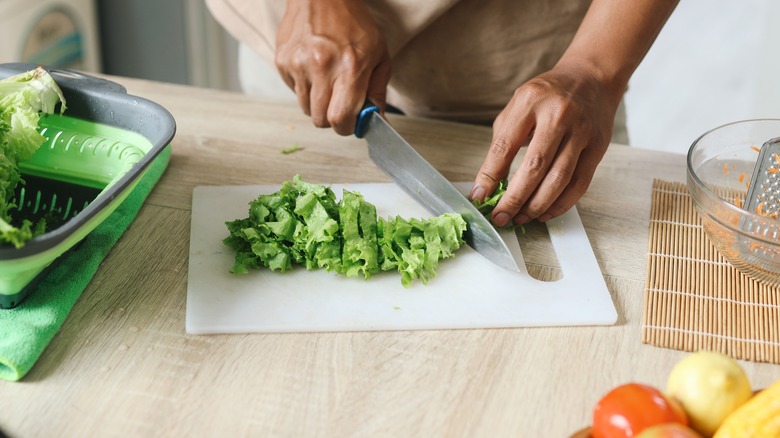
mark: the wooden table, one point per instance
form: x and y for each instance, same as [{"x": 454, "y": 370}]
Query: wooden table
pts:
[{"x": 122, "y": 364}]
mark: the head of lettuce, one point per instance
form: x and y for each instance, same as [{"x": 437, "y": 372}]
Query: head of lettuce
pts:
[{"x": 22, "y": 99}]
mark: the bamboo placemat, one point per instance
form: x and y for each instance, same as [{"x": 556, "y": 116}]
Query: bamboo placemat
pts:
[{"x": 695, "y": 299}]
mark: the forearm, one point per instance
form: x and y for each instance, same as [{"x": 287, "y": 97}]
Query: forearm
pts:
[
  {"x": 399, "y": 20},
  {"x": 327, "y": 14},
  {"x": 615, "y": 36}
]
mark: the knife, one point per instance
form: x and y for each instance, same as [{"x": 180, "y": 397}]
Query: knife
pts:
[{"x": 398, "y": 159}]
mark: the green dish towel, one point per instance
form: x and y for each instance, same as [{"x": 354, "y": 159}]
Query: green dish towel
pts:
[{"x": 26, "y": 330}]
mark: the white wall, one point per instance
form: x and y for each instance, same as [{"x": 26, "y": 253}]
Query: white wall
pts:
[{"x": 715, "y": 62}]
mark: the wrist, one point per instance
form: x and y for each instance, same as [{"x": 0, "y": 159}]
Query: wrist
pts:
[{"x": 612, "y": 79}]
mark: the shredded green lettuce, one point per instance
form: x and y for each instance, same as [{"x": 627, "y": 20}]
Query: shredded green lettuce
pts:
[
  {"x": 303, "y": 224},
  {"x": 22, "y": 98},
  {"x": 415, "y": 246},
  {"x": 291, "y": 149},
  {"x": 358, "y": 223},
  {"x": 489, "y": 203}
]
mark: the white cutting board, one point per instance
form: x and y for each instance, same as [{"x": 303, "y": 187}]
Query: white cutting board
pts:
[{"x": 467, "y": 292}]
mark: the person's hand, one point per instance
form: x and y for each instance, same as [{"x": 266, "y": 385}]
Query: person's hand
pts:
[
  {"x": 565, "y": 117},
  {"x": 333, "y": 56}
]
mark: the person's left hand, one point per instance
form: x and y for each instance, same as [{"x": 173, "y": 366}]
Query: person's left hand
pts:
[{"x": 565, "y": 116}]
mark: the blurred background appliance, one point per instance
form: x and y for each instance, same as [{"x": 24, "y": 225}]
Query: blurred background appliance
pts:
[
  {"x": 58, "y": 33},
  {"x": 171, "y": 41}
]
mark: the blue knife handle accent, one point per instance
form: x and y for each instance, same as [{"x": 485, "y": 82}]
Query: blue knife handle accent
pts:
[{"x": 363, "y": 118}]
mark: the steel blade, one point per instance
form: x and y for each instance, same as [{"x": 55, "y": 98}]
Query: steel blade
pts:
[{"x": 398, "y": 159}]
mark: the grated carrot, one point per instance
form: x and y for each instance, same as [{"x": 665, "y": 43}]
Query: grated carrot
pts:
[
  {"x": 773, "y": 170},
  {"x": 725, "y": 168},
  {"x": 777, "y": 159},
  {"x": 741, "y": 176},
  {"x": 755, "y": 148}
]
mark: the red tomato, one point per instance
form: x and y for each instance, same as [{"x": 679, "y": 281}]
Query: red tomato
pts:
[{"x": 631, "y": 408}]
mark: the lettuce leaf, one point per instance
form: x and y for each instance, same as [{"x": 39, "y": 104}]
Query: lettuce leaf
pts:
[
  {"x": 360, "y": 253},
  {"x": 303, "y": 224},
  {"x": 486, "y": 207},
  {"x": 415, "y": 246},
  {"x": 22, "y": 98}
]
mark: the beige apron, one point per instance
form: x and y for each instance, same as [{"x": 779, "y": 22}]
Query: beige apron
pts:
[{"x": 452, "y": 59}]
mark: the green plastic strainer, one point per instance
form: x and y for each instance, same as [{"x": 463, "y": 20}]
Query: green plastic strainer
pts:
[{"x": 92, "y": 158}]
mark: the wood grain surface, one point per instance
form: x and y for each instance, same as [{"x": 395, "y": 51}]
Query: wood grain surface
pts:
[{"x": 123, "y": 366}]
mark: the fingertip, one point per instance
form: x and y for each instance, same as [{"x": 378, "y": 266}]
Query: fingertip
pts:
[
  {"x": 342, "y": 118},
  {"x": 501, "y": 219},
  {"x": 344, "y": 129},
  {"x": 484, "y": 185},
  {"x": 478, "y": 193},
  {"x": 320, "y": 122},
  {"x": 521, "y": 219},
  {"x": 555, "y": 210}
]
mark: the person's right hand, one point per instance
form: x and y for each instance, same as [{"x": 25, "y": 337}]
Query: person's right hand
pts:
[{"x": 333, "y": 56}]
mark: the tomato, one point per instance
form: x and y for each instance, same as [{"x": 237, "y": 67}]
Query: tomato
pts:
[{"x": 631, "y": 408}]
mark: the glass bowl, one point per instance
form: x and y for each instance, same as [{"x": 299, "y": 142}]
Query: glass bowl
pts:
[{"x": 720, "y": 167}]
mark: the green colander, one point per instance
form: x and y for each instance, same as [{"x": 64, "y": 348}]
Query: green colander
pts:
[{"x": 92, "y": 158}]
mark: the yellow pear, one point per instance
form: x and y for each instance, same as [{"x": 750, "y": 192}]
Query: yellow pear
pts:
[{"x": 710, "y": 386}]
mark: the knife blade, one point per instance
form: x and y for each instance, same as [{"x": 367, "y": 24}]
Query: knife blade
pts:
[{"x": 401, "y": 162}]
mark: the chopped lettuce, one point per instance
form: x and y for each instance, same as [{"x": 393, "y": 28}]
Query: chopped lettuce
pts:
[
  {"x": 303, "y": 224},
  {"x": 415, "y": 246},
  {"x": 297, "y": 224},
  {"x": 22, "y": 98},
  {"x": 291, "y": 149},
  {"x": 358, "y": 222}
]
